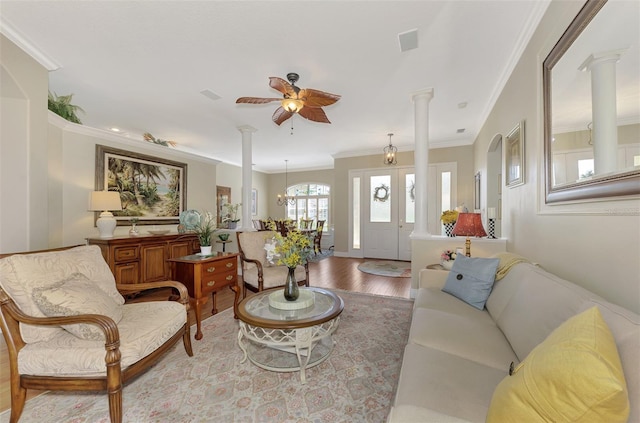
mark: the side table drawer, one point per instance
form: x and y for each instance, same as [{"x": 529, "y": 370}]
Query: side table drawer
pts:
[
  {"x": 219, "y": 266},
  {"x": 215, "y": 281},
  {"x": 126, "y": 253}
]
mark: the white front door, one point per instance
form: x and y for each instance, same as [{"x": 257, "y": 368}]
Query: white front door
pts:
[
  {"x": 380, "y": 235},
  {"x": 388, "y": 213}
]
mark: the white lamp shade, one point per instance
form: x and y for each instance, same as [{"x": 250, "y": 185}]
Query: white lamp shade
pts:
[{"x": 104, "y": 200}]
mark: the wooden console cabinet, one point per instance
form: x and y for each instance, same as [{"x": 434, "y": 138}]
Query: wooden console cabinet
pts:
[{"x": 138, "y": 259}]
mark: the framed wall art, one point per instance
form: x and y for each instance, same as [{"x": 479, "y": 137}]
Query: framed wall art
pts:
[
  {"x": 152, "y": 189},
  {"x": 476, "y": 197},
  {"x": 254, "y": 202},
  {"x": 514, "y": 156}
]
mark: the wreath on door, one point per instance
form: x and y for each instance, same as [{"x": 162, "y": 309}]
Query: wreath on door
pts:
[{"x": 381, "y": 193}]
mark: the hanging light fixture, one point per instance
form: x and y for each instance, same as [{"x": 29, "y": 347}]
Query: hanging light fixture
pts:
[
  {"x": 284, "y": 199},
  {"x": 390, "y": 153}
]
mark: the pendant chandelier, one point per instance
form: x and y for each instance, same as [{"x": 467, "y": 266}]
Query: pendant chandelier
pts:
[
  {"x": 390, "y": 153},
  {"x": 284, "y": 199}
]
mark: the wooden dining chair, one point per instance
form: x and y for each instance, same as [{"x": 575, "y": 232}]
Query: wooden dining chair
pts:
[{"x": 318, "y": 237}]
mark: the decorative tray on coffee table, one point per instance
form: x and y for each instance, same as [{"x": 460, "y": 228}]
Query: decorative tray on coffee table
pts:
[{"x": 306, "y": 299}]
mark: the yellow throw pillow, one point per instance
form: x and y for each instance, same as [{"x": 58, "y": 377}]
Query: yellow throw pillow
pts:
[{"x": 574, "y": 375}]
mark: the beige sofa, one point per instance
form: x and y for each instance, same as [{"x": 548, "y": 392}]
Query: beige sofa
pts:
[{"x": 456, "y": 354}]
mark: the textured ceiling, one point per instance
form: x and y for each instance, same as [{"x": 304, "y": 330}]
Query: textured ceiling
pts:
[{"x": 141, "y": 66}]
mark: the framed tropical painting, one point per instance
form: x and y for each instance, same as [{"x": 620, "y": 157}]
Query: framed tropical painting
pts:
[{"x": 152, "y": 190}]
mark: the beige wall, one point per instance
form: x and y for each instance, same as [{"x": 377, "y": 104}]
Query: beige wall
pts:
[
  {"x": 23, "y": 150},
  {"x": 76, "y": 178},
  {"x": 277, "y": 182},
  {"x": 231, "y": 176},
  {"x": 595, "y": 244},
  {"x": 340, "y": 194}
]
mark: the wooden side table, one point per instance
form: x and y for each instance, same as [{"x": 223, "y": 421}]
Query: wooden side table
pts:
[{"x": 206, "y": 274}]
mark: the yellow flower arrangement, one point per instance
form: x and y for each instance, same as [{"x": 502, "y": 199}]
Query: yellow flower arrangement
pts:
[
  {"x": 292, "y": 250},
  {"x": 449, "y": 216}
]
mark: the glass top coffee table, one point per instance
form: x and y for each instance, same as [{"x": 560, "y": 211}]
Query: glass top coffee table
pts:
[{"x": 288, "y": 340}]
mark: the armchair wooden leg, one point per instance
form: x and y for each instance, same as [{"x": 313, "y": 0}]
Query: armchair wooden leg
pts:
[
  {"x": 186, "y": 340},
  {"x": 18, "y": 397},
  {"x": 115, "y": 406}
]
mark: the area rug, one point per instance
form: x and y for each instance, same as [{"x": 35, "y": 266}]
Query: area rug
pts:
[
  {"x": 357, "y": 383},
  {"x": 394, "y": 269}
]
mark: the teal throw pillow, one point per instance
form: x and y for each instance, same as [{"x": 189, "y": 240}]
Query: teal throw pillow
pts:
[{"x": 471, "y": 279}]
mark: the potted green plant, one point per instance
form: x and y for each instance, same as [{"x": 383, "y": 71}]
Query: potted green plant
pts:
[
  {"x": 61, "y": 106},
  {"x": 231, "y": 218},
  {"x": 205, "y": 229}
]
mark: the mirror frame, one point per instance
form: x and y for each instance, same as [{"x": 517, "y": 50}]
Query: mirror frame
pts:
[{"x": 615, "y": 185}]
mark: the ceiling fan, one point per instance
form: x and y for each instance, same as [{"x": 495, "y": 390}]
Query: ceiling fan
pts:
[{"x": 306, "y": 102}]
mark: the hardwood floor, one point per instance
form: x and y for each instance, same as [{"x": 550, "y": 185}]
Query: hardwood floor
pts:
[{"x": 332, "y": 272}]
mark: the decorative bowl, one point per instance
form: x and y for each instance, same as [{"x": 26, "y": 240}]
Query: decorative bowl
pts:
[
  {"x": 223, "y": 237},
  {"x": 447, "y": 264},
  {"x": 159, "y": 232}
]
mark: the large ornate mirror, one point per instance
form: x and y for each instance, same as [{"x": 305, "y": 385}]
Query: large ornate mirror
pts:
[{"x": 591, "y": 83}]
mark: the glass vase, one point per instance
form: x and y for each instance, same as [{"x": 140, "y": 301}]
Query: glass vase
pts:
[{"x": 291, "y": 291}]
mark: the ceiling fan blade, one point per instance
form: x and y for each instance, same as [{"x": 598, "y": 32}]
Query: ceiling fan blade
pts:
[
  {"x": 315, "y": 114},
  {"x": 280, "y": 115},
  {"x": 256, "y": 100},
  {"x": 317, "y": 98},
  {"x": 283, "y": 86}
]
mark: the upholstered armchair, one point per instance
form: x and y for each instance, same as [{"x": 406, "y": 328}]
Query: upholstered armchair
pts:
[
  {"x": 67, "y": 326},
  {"x": 257, "y": 273}
]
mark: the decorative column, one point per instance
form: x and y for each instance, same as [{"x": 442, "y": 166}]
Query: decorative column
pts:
[
  {"x": 247, "y": 172},
  {"x": 421, "y": 101},
  {"x": 603, "y": 109}
]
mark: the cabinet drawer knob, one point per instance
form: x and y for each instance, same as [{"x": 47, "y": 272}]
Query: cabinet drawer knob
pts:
[
  {"x": 211, "y": 283},
  {"x": 211, "y": 269},
  {"x": 230, "y": 264},
  {"x": 230, "y": 277}
]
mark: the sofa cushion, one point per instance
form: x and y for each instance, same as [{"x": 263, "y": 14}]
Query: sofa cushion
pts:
[
  {"x": 625, "y": 328},
  {"x": 143, "y": 328},
  {"x": 541, "y": 303},
  {"x": 461, "y": 336},
  {"x": 435, "y": 299},
  {"x": 574, "y": 375},
  {"x": 77, "y": 295},
  {"x": 446, "y": 384},
  {"x": 471, "y": 279}
]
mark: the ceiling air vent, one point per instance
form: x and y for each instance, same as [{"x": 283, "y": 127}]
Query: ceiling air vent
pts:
[{"x": 408, "y": 40}]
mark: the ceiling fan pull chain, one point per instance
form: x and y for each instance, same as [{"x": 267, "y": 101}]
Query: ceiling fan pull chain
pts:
[{"x": 291, "y": 125}]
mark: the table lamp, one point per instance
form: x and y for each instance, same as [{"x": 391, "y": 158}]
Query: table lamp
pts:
[
  {"x": 469, "y": 224},
  {"x": 105, "y": 201}
]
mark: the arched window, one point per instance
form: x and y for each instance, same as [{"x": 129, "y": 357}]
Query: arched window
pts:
[{"x": 312, "y": 202}]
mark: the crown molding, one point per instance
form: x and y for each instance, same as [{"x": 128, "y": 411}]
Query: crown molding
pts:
[
  {"x": 8, "y": 30},
  {"x": 102, "y": 134}
]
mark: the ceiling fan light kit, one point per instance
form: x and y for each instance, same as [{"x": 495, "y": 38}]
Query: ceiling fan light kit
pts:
[{"x": 305, "y": 102}]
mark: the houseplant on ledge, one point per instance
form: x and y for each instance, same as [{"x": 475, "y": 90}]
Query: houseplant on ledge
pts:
[
  {"x": 231, "y": 217},
  {"x": 205, "y": 229},
  {"x": 449, "y": 218}
]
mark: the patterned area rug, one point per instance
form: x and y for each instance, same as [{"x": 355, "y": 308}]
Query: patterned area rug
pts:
[
  {"x": 394, "y": 269},
  {"x": 357, "y": 383}
]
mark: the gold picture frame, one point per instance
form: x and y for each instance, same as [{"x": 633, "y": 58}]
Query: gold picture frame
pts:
[
  {"x": 514, "y": 156},
  {"x": 152, "y": 189}
]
